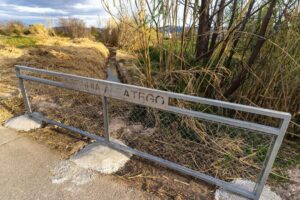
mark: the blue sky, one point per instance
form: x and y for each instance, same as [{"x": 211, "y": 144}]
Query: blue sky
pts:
[{"x": 38, "y": 11}]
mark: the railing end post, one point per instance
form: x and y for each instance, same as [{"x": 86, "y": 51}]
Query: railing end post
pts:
[{"x": 106, "y": 119}]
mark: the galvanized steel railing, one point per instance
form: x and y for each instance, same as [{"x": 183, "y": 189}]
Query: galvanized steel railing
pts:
[{"x": 160, "y": 100}]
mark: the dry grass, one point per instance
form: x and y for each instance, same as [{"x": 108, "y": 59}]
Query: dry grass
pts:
[
  {"x": 66, "y": 142},
  {"x": 163, "y": 182},
  {"x": 9, "y": 108},
  {"x": 79, "y": 56}
]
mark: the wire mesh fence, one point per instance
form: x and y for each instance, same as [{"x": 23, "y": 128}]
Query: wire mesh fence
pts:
[
  {"x": 72, "y": 108},
  {"x": 219, "y": 150}
]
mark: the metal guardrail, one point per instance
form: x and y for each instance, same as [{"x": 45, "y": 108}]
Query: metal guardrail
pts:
[{"x": 160, "y": 100}]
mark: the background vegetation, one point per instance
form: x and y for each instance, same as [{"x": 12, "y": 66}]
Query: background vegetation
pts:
[{"x": 242, "y": 51}]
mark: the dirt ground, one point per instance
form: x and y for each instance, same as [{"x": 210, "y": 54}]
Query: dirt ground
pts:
[{"x": 291, "y": 189}]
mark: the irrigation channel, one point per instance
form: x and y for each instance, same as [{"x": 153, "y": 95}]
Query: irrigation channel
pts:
[{"x": 112, "y": 72}]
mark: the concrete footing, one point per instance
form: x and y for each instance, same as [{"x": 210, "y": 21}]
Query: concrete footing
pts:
[
  {"x": 267, "y": 194},
  {"x": 101, "y": 158},
  {"x": 23, "y": 123}
]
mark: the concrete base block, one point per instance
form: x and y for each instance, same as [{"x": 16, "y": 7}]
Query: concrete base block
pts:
[
  {"x": 101, "y": 158},
  {"x": 23, "y": 123},
  {"x": 267, "y": 194}
]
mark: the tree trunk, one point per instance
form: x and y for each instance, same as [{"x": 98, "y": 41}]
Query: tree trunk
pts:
[
  {"x": 203, "y": 29},
  {"x": 183, "y": 33},
  {"x": 238, "y": 36},
  {"x": 232, "y": 14},
  {"x": 240, "y": 78},
  {"x": 217, "y": 27}
]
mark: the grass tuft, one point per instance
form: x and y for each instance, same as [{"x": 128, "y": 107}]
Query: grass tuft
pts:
[{"x": 19, "y": 41}]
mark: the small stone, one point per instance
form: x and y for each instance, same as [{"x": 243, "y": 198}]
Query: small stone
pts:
[
  {"x": 148, "y": 131},
  {"x": 24, "y": 123},
  {"x": 116, "y": 124},
  {"x": 136, "y": 128},
  {"x": 133, "y": 129}
]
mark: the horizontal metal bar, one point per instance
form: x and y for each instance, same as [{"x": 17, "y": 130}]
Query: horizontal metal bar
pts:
[
  {"x": 233, "y": 106},
  {"x": 41, "y": 80},
  {"x": 70, "y": 87},
  {"x": 48, "y": 82},
  {"x": 71, "y": 128},
  {"x": 226, "y": 120},
  {"x": 210, "y": 117},
  {"x": 64, "y": 75},
  {"x": 212, "y": 102},
  {"x": 223, "y": 184}
]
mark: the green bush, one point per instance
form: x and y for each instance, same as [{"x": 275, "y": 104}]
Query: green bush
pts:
[
  {"x": 19, "y": 41},
  {"x": 96, "y": 33}
]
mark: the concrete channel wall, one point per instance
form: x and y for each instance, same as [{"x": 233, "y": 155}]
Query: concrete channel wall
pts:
[{"x": 127, "y": 71}]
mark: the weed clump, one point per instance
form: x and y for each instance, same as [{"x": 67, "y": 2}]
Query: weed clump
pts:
[
  {"x": 37, "y": 29},
  {"x": 19, "y": 41}
]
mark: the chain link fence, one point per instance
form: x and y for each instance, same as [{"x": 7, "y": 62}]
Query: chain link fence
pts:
[
  {"x": 222, "y": 151},
  {"x": 72, "y": 108}
]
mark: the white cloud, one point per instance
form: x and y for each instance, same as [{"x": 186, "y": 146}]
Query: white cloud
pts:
[
  {"x": 34, "y": 10},
  {"x": 39, "y": 10},
  {"x": 8, "y": 16},
  {"x": 90, "y": 20},
  {"x": 88, "y": 5}
]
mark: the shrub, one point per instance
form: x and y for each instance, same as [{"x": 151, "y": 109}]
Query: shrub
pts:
[
  {"x": 73, "y": 28},
  {"x": 96, "y": 33},
  {"x": 126, "y": 34},
  {"x": 13, "y": 28},
  {"x": 2, "y": 29},
  {"x": 110, "y": 34},
  {"x": 19, "y": 41},
  {"x": 37, "y": 29}
]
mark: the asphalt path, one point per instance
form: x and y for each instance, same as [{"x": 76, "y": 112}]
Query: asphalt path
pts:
[{"x": 25, "y": 173}]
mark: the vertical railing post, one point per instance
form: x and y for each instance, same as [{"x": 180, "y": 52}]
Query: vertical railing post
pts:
[
  {"x": 23, "y": 91},
  {"x": 270, "y": 158},
  {"x": 106, "y": 119}
]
